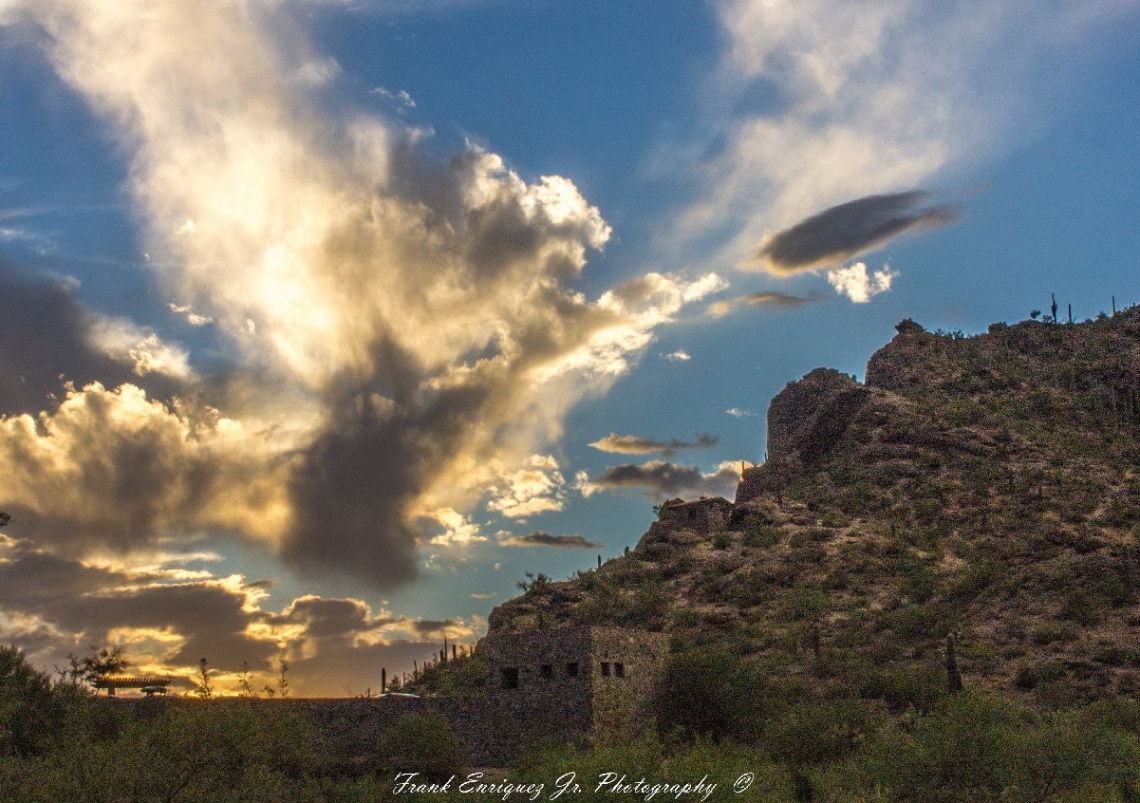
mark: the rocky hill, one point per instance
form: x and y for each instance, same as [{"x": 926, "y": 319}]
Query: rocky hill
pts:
[{"x": 977, "y": 491}]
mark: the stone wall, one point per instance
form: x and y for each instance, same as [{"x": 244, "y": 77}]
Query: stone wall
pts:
[{"x": 544, "y": 686}]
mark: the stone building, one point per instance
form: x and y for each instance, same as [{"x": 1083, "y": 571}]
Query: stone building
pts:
[{"x": 591, "y": 682}]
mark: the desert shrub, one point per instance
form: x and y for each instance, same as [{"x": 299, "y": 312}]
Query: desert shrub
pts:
[
  {"x": 760, "y": 535},
  {"x": 176, "y": 750},
  {"x": 26, "y": 705},
  {"x": 918, "y": 686},
  {"x": 423, "y": 743},
  {"x": 811, "y": 535},
  {"x": 978, "y": 748},
  {"x": 712, "y": 693},
  {"x": 812, "y": 735},
  {"x": 804, "y": 602}
]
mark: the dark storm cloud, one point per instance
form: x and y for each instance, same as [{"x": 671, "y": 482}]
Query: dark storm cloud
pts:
[
  {"x": 660, "y": 479},
  {"x": 90, "y": 602},
  {"x": 847, "y": 230},
  {"x": 46, "y": 339},
  {"x": 631, "y": 444},
  {"x": 331, "y": 618},
  {"x": 353, "y": 488},
  {"x": 428, "y": 626},
  {"x": 575, "y": 541}
]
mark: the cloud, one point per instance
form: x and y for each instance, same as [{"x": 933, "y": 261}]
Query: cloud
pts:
[
  {"x": 832, "y": 237},
  {"x": 762, "y": 299},
  {"x": 678, "y": 356},
  {"x": 853, "y": 281},
  {"x": 661, "y": 480},
  {"x": 49, "y": 339},
  {"x": 192, "y": 318},
  {"x": 736, "y": 412},
  {"x": 166, "y": 625},
  {"x": 414, "y": 328},
  {"x": 631, "y": 444},
  {"x": 575, "y": 541},
  {"x": 401, "y": 97},
  {"x": 114, "y": 468},
  {"x": 530, "y": 491},
  {"x": 867, "y": 99},
  {"x": 458, "y": 529}
]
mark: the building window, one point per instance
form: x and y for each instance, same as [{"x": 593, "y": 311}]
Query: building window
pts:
[
  {"x": 605, "y": 669},
  {"x": 572, "y": 669},
  {"x": 547, "y": 671},
  {"x": 510, "y": 677},
  {"x": 619, "y": 670}
]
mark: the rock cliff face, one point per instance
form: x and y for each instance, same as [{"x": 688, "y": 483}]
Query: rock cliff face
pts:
[{"x": 985, "y": 488}]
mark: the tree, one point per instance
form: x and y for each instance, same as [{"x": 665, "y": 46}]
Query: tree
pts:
[
  {"x": 25, "y": 704},
  {"x": 91, "y": 670},
  {"x": 202, "y": 687},
  {"x": 536, "y": 583}
]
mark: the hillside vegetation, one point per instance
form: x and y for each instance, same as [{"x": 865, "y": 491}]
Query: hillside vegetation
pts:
[
  {"x": 954, "y": 540},
  {"x": 983, "y": 489}
]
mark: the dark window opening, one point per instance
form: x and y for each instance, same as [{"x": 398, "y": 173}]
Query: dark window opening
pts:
[
  {"x": 510, "y": 678},
  {"x": 572, "y": 669},
  {"x": 605, "y": 669},
  {"x": 547, "y": 671},
  {"x": 619, "y": 670}
]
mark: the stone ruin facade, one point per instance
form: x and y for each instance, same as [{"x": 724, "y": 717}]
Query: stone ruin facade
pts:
[{"x": 588, "y": 681}]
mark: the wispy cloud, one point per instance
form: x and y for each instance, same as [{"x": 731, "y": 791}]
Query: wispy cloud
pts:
[
  {"x": 575, "y": 541},
  {"x": 764, "y": 299},
  {"x": 660, "y": 479},
  {"x": 867, "y": 99},
  {"x": 631, "y": 444}
]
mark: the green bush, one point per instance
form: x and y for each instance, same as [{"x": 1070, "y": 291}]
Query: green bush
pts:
[
  {"x": 423, "y": 743},
  {"x": 978, "y": 748},
  {"x": 26, "y": 705},
  {"x": 712, "y": 693}
]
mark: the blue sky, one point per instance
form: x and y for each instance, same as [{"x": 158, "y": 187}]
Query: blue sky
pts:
[{"x": 325, "y": 322}]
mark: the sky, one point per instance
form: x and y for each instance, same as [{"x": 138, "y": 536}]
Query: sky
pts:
[{"x": 324, "y": 322}]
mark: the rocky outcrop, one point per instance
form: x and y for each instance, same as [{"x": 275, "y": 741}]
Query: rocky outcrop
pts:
[{"x": 981, "y": 486}]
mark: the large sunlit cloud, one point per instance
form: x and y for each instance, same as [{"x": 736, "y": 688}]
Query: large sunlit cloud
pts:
[
  {"x": 424, "y": 317},
  {"x": 113, "y": 468},
  {"x": 660, "y": 480},
  {"x": 869, "y": 98}
]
